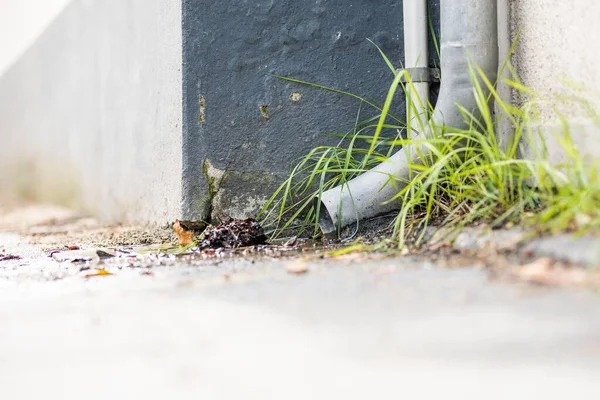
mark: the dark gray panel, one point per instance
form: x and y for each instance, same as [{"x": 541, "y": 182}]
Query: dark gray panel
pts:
[{"x": 251, "y": 126}]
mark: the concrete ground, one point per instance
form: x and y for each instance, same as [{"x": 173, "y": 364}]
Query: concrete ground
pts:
[{"x": 246, "y": 328}]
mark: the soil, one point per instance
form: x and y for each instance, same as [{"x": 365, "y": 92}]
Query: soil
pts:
[
  {"x": 232, "y": 234},
  {"x": 52, "y": 227}
]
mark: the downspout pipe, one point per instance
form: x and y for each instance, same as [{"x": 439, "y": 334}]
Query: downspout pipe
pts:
[
  {"x": 469, "y": 35},
  {"x": 416, "y": 55}
]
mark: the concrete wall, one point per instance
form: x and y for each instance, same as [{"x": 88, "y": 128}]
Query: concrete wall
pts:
[
  {"x": 90, "y": 115},
  {"x": 234, "y": 155},
  {"x": 21, "y": 23},
  {"x": 556, "y": 55},
  {"x": 119, "y": 101}
]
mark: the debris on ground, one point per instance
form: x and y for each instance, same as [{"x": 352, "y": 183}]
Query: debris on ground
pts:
[
  {"x": 52, "y": 227},
  {"x": 98, "y": 272},
  {"x": 291, "y": 242},
  {"x": 509, "y": 253},
  {"x": 232, "y": 234},
  {"x": 536, "y": 270},
  {"x": 547, "y": 271},
  {"x": 187, "y": 230},
  {"x": 9, "y": 257},
  {"x": 296, "y": 267},
  {"x": 82, "y": 255}
]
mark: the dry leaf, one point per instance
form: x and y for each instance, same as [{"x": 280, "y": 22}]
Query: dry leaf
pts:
[
  {"x": 291, "y": 242},
  {"x": 8, "y": 257},
  {"x": 105, "y": 253},
  {"x": 99, "y": 272},
  {"x": 184, "y": 236}
]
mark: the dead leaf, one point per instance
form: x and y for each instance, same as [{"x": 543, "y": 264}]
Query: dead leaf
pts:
[
  {"x": 105, "y": 253},
  {"x": 296, "y": 267},
  {"x": 98, "y": 272},
  {"x": 291, "y": 242},
  {"x": 53, "y": 252},
  {"x": 73, "y": 247},
  {"x": 356, "y": 248},
  {"x": 185, "y": 237},
  {"x": 8, "y": 257},
  {"x": 92, "y": 255}
]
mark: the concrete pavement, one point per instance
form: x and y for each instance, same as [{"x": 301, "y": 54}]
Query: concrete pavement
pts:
[{"x": 247, "y": 329}]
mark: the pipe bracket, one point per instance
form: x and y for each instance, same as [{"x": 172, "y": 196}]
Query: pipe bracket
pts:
[{"x": 421, "y": 74}]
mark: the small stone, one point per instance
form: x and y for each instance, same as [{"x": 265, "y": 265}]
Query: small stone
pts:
[
  {"x": 296, "y": 267},
  {"x": 536, "y": 270}
]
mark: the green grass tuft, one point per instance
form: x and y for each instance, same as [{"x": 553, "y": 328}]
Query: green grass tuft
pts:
[{"x": 466, "y": 176}]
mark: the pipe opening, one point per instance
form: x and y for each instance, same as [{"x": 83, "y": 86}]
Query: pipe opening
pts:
[{"x": 325, "y": 221}]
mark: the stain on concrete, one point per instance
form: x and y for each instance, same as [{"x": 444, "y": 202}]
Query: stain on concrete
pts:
[
  {"x": 295, "y": 96},
  {"x": 264, "y": 111},
  {"x": 202, "y": 114},
  {"x": 213, "y": 177}
]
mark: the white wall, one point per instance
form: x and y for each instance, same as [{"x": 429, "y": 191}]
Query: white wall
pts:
[
  {"x": 557, "y": 53},
  {"x": 90, "y": 115},
  {"x": 21, "y": 22}
]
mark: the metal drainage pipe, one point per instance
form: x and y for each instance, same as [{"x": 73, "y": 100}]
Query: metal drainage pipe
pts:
[
  {"x": 469, "y": 35},
  {"x": 416, "y": 57}
]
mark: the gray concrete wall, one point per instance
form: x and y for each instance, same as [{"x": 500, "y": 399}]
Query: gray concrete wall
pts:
[
  {"x": 90, "y": 115},
  {"x": 231, "y": 52},
  {"x": 556, "y": 56}
]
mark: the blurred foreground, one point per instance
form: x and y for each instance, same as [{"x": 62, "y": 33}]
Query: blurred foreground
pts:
[{"x": 244, "y": 327}]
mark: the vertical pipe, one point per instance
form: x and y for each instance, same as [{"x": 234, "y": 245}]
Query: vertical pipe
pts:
[
  {"x": 503, "y": 89},
  {"x": 416, "y": 55},
  {"x": 469, "y": 37}
]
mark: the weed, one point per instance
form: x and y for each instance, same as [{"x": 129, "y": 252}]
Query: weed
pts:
[
  {"x": 325, "y": 167},
  {"x": 460, "y": 176}
]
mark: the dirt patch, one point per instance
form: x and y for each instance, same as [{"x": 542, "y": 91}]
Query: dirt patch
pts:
[
  {"x": 232, "y": 234},
  {"x": 51, "y": 227}
]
